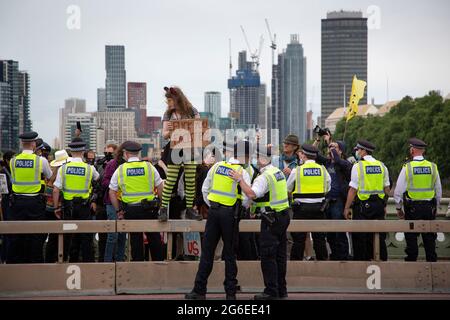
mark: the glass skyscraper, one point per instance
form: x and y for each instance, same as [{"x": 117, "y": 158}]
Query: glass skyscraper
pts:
[
  {"x": 115, "y": 83},
  {"x": 344, "y": 54}
]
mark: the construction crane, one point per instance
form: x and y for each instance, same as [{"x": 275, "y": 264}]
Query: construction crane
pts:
[
  {"x": 229, "y": 50},
  {"x": 273, "y": 41},
  {"x": 255, "y": 55}
]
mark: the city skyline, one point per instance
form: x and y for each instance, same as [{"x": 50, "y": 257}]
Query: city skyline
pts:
[{"x": 76, "y": 57}]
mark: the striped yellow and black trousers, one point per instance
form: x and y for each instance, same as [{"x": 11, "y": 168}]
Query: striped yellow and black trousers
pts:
[{"x": 189, "y": 178}]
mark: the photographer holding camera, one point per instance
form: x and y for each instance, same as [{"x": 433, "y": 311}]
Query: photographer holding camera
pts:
[{"x": 340, "y": 172}]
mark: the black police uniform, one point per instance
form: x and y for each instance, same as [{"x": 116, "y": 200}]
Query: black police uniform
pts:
[
  {"x": 420, "y": 210},
  {"x": 371, "y": 209},
  {"x": 142, "y": 211},
  {"x": 78, "y": 209},
  {"x": 26, "y": 248},
  {"x": 309, "y": 211}
]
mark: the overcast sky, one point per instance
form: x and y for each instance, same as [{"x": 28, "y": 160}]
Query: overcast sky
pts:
[{"x": 185, "y": 43}]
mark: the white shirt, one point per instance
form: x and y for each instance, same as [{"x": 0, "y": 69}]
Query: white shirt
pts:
[
  {"x": 45, "y": 170},
  {"x": 58, "y": 182},
  {"x": 354, "y": 183},
  {"x": 291, "y": 184},
  {"x": 400, "y": 187},
  {"x": 206, "y": 187},
  {"x": 114, "y": 183}
]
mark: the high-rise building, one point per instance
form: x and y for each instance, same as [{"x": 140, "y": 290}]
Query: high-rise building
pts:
[
  {"x": 344, "y": 54},
  {"x": 153, "y": 124},
  {"x": 88, "y": 129},
  {"x": 14, "y": 104},
  {"x": 289, "y": 91},
  {"x": 211, "y": 118},
  {"x": 213, "y": 105},
  {"x": 137, "y": 101},
  {"x": 71, "y": 106},
  {"x": 245, "y": 94},
  {"x": 309, "y": 125},
  {"x": 101, "y": 99},
  {"x": 117, "y": 123},
  {"x": 115, "y": 82},
  {"x": 262, "y": 107}
]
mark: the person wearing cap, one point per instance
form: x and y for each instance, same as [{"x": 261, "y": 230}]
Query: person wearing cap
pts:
[
  {"x": 137, "y": 181},
  {"x": 270, "y": 194},
  {"x": 340, "y": 170},
  {"x": 224, "y": 198},
  {"x": 74, "y": 180},
  {"x": 419, "y": 191},
  {"x": 288, "y": 159},
  {"x": 27, "y": 200},
  {"x": 367, "y": 195},
  {"x": 51, "y": 249},
  {"x": 309, "y": 184}
]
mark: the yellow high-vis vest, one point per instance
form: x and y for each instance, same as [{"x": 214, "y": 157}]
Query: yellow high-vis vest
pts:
[
  {"x": 370, "y": 179},
  {"x": 277, "y": 198},
  {"x": 136, "y": 181},
  {"x": 310, "y": 181},
  {"x": 224, "y": 189},
  {"x": 76, "y": 180},
  {"x": 420, "y": 179},
  {"x": 26, "y": 173}
]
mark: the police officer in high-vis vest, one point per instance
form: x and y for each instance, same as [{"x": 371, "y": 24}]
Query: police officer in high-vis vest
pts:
[
  {"x": 368, "y": 192},
  {"x": 224, "y": 198},
  {"x": 309, "y": 183},
  {"x": 419, "y": 190},
  {"x": 136, "y": 181},
  {"x": 74, "y": 181},
  {"x": 27, "y": 202},
  {"x": 269, "y": 191}
]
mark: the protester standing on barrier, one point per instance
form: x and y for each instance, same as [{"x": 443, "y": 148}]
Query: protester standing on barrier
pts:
[
  {"x": 178, "y": 108},
  {"x": 74, "y": 180},
  {"x": 269, "y": 191},
  {"x": 309, "y": 183},
  {"x": 225, "y": 200},
  {"x": 340, "y": 172},
  {"x": 419, "y": 190},
  {"x": 27, "y": 201},
  {"x": 137, "y": 180},
  {"x": 369, "y": 187}
]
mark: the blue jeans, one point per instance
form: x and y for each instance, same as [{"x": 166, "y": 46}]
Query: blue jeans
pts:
[
  {"x": 337, "y": 240},
  {"x": 116, "y": 239}
]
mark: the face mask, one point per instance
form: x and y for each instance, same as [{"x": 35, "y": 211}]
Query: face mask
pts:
[
  {"x": 90, "y": 161},
  {"x": 357, "y": 156},
  {"x": 255, "y": 162},
  {"x": 108, "y": 155}
]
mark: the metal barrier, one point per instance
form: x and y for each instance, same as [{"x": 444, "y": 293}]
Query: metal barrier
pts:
[{"x": 67, "y": 279}]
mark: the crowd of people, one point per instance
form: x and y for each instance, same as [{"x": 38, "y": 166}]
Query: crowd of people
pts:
[{"x": 244, "y": 180}]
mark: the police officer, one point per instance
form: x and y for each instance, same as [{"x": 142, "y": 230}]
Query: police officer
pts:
[
  {"x": 369, "y": 187},
  {"x": 247, "y": 248},
  {"x": 137, "y": 180},
  {"x": 74, "y": 181},
  {"x": 223, "y": 196},
  {"x": 27, "y": 201},
  {"x": 309, "y": 183},
  {"x": 269, "y": 190},
  {"x": 419, "y": 190}
]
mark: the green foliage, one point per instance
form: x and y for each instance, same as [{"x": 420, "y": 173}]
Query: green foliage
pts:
[{"x": 427, "y": 118}]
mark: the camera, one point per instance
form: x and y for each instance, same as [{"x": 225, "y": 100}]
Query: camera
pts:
[{"x": 321, "y": 132}]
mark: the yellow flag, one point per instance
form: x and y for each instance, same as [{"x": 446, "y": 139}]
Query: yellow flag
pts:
[{"x": 357, "y": 93}]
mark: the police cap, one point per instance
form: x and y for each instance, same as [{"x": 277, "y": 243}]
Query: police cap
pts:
[
  {"x": 365, "y": 145},
  {"x": 131, "y": 146},
  {"x": 310, "y": 150},
  {"x": 417, "y": 143},
  {"x": 28, "y": 136}
]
